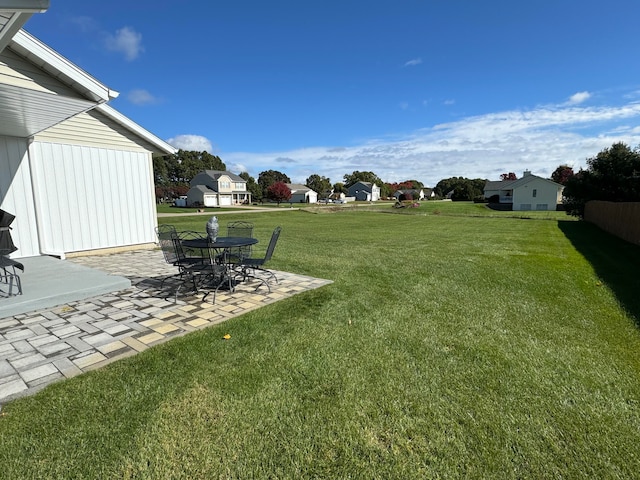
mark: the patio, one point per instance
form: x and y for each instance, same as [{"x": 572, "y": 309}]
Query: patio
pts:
[{"x": 48, "y": 344}]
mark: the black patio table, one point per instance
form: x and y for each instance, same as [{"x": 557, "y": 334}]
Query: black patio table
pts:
[{"x": 219, "y": 257}]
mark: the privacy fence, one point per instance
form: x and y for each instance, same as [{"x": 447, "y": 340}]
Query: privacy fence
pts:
[{"x": 621, "y": 219}]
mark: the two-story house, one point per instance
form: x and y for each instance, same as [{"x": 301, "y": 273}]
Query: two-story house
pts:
[
  {"x": 217, "y": 188},
  {"x": 365, "y": 191}
]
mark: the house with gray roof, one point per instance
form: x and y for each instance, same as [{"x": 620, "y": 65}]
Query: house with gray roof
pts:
[
  {"x": 366, "y": 191},
  {"x": 302, "y": 194},
  {"x": 527, "y": 193},
  {"x": 217, "y": 188}
]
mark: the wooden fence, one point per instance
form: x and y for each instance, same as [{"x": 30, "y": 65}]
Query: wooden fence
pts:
[{"x": 621, "y": 219}]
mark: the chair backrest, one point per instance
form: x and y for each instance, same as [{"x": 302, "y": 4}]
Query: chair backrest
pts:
[
  {"x": 272, "y": 243},
  {"x": 240, "y": 229},
  {"x": 166, "y": 239}
]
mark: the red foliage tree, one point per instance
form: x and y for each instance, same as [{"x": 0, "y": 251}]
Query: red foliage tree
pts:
[
  {"x": 562, "y": 174},
  {"x": 508, "y": 176},
  {"x": 279, "y": 192}
]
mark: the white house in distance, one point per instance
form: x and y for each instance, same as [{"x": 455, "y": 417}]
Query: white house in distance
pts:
[
  {"x": 366, "y": 191},
  {"x": 217, "y": 188},
  {"x": 302, "y": 194},
  {"x": 527, "y": 193},
  {"x": 76, "y": 174}
]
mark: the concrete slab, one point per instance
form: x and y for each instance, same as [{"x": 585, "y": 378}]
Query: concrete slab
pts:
[{"x": 48, "y": 282}]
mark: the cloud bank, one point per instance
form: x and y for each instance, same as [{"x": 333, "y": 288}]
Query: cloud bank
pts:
[
  {"x": 196, "y": 143},
  {"x": 482, "y": 146}
]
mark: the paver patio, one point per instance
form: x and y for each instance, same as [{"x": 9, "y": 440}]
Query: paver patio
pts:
[{"x": 45, "y": 346}]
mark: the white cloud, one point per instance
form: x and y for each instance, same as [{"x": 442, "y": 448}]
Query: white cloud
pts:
[
  {"x": 141, "y": 97},
  {"x": 579, "y": 97},
  {"x": 476, "y": 147},
  {"x": 191, "y": 142},
  {"x": 127, "y": 41},
  {"x": 413, "y": 63}
]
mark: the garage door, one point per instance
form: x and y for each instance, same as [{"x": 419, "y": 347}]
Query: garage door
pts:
[
  {"x": 225, "y": 200},
  {"x": 210, "y": 201}
]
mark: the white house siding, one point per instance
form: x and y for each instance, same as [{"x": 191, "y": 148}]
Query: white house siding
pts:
[
  {"x": 93, "y": 129},
  {"x": 547, "y": 195},
  {"x": 16, "y": 195},
  {"x": 92, "y": 197},
  {"x": 16, "y": 71}
]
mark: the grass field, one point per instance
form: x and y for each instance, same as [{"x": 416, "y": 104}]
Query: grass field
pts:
[{"x": 450, "y": 345}]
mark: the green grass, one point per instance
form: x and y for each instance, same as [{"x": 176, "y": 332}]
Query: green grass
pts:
[
  {"x": 449, "y": 346},
  {"x": 165, "y": 208}
]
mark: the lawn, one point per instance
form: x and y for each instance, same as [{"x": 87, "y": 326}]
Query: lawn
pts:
[{"x": 450, "y": 345}]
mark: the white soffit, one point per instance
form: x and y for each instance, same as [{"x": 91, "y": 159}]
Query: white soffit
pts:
[{"x": 26, "y": 112}]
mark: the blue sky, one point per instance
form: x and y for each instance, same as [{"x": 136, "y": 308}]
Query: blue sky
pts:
[{"x": 408, "y": 89}]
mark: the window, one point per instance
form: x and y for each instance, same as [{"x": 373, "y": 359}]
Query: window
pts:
[
  {"x": 542, "y": 206},
  {"x": 239, "y": 186},
  {"x": 224, "y": 184},
  {"x": 535, "y": 193}
]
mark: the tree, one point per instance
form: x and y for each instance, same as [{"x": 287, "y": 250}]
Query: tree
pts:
[
  {"x": 279, "y": 192},
  {"x": 174, "y": 172},
  {"x": 562, "y": 174},
  {"x": 269, "y": 177},
  {"x": 252, "y": 186},
  {"x": 319, "y": 184},
  {"x": 613, "y": 174},
  {"x": 356, "y": 177},
  {"x": 508, "y": 176},
  {"x": 461, "y": 189},
  {"x": 339, "y": 187}
]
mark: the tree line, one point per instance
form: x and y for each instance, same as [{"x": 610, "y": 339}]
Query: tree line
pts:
[{"x": 613, "y": 174}]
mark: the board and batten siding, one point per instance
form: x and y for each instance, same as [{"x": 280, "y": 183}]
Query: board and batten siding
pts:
[
  {"x": 16, "y": 195},
  {"x": 91, "y": 197}
]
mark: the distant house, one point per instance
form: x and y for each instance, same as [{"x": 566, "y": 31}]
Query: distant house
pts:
[
  {"x": 217, "y": 188},
  {"x": 366, "y": 191},
  {"x": 302, "y": 193},
  {"x": 416, "y": 194},
  {"x": 527, "y": 193},
  {"x": 77, "y": 174}
]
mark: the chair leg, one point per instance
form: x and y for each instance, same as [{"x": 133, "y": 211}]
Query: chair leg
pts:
[{"x": 246, "y": 275}]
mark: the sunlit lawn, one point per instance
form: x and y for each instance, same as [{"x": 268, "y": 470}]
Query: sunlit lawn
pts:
[{"x": 448, "y": 346}]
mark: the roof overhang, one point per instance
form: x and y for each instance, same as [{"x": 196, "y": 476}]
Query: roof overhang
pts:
[
  {"x": 27, "y": 111},
  {"x": 14, "y": 14}
]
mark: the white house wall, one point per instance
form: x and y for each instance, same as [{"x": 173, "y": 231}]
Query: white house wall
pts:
[
  {"x": 92, "y": 128},
  {"x": 16, "y": 71},
  {"x": 546, "y": 194},
  {"x": 16, "y": 195},
  {"x": 92, "y": 197}
]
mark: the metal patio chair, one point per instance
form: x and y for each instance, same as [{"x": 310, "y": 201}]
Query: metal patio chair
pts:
[
  {"x": 250, "y": 266},
  {"x": 239, "y": 229},
  {"x": 189, "y": 268}
]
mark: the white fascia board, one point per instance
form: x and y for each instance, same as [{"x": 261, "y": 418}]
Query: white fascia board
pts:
[
  {"x": 63, "y": 67},
  {"x": 137, "y": 129}
]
